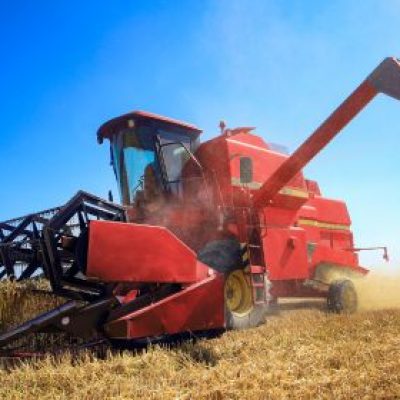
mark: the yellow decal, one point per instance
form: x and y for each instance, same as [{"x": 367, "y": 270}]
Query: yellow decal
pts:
[
  {"x": 322, "y": 225},
  {"x": 245, "y": 253},
  {"x": 294, "y": 192},
  {"x": 285, "y": 191},
  {"x": 251, "y": 185}
]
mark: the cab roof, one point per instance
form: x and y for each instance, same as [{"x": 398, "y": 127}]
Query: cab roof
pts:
[{"x": 114, "y": 125}]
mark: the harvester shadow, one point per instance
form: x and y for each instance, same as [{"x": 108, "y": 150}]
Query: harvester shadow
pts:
[
  {"x": 192, "y": 347},
  {"x": 287, "y": 305},
  {"x": 198, "y": 353},
  {"x": 188, "y": 347}
]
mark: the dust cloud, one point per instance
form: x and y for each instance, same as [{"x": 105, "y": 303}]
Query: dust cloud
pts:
[{"x": 378, "y": 291}]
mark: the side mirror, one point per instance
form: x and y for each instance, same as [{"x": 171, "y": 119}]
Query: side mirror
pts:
[
  {"x": 110, "y": 196},
  {"x": 246, "y": 170}
]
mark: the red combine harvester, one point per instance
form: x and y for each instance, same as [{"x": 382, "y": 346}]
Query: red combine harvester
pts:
[{"x": 208, "y": 234}]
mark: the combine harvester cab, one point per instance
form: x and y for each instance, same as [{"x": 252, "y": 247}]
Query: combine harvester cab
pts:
[{"x": 203, "y": 232}]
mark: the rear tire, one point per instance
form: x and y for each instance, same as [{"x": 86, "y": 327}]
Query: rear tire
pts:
[{"x": 342, "y": 297}]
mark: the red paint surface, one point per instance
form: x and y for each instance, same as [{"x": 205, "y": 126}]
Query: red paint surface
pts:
[
  {"x": 110, "y": 127},
  {"x": 121, "y": 252},
  {"x": 286, "y": 254},
  {"x": 326, "y": 210},
  {"x": 198, "y": 307}
]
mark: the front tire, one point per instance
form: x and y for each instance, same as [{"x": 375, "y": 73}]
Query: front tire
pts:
[{"x": 240, "y": 311}]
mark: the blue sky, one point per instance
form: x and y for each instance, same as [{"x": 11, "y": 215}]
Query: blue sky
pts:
[{"x": 283, "y": 66}]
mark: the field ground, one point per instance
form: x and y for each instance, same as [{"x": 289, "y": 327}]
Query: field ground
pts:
[{"x": 303, "y": 353}]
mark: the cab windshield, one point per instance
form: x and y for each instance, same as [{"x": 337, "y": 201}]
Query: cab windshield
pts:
[{"x": 147, "y": 161}]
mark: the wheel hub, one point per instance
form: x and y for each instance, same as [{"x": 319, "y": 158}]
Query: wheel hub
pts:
[{"x": 238, "y": 294}]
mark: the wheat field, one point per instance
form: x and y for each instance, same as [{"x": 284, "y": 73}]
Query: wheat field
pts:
[{"x": 299, "y": 354}]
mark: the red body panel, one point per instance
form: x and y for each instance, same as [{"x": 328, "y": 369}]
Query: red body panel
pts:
[
  {"x": 300, "y": 228},
  {"x": 265, "y": 161},
  {"x": 120, "y": 252},
  {"x": 326, "y": 210},
  {"x": 335, "y": 256},
  {"x": 286, "y": 253},
  {"x": 198, "y": 307}
]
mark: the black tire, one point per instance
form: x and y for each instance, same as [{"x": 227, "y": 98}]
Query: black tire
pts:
[
  {"x": 342, "y": 297},
  {"x": 251, "y": 317},
  {"x": 254, "y": 318},
  {"x": 223, "y": 255}
]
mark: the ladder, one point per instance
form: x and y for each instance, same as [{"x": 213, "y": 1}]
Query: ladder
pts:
[{"x": 253, "y": 257}]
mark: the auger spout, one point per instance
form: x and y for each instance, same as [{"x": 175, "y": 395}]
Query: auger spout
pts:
[{"x": 384, "y": 79}]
